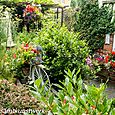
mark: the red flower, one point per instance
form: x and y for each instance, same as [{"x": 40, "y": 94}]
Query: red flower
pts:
[
  {"x": 112, "y": 64},
  {"x": 72, "y": 97},
  {"x": 14, "y": 56},
  {"x": 113, "y": 52},
  {"x": 106, "y": 59},
  {"x": 26, "y": 47},
  {"x": 29, "y": 8}
]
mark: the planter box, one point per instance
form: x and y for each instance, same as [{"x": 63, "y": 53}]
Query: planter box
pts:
[{"x": 105, "y": 74}]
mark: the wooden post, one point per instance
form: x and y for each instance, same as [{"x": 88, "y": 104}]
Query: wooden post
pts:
[
  {"x": 114, "y": 42},
  {"x": 62, "y": 17},
  {"x": 57, "y": 12}
]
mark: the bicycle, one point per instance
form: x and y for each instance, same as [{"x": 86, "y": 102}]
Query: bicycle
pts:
[{"x": 36, "y": 70}]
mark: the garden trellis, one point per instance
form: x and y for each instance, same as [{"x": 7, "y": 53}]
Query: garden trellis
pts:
[{"x": 5, "y": 24}]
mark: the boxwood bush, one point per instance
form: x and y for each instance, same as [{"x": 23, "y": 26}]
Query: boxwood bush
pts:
[{"x": 63, "y": 50}]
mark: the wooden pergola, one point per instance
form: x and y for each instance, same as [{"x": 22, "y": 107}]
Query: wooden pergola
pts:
[
  {"x": 108, "y": 2},
  {"x": 57, "y": 6},
  {"x": 111, "y": 2}
]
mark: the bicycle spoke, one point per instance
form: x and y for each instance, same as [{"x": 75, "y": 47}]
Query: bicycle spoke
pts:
[{"x": 38, "y": 72}]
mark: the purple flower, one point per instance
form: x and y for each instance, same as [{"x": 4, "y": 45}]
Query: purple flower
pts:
[{"x": 89, "y": 61}]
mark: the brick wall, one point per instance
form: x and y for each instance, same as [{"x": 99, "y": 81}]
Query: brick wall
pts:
[{"x": 107, "y": 48}]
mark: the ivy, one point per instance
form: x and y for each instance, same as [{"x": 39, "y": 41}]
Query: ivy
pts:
[{"x": 93, "y": 23}]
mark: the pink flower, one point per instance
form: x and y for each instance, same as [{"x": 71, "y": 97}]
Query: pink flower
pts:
[
  {"x": 99, "y": 59},
  {"x": 89, "y": 62}
]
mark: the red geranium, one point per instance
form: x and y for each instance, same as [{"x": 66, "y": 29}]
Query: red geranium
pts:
[
  {"x": 107, "y": 59},
  {"x": 29, "y": 8},
  {"x": 113, "y": 52}
]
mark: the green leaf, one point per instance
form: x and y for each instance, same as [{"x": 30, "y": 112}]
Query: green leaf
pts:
[
  {"x": 66, "y": 81},
  {"x": 51, "y": 98},
  {"x": 36, "y": 94},
  {"x": 58, "y": 102},
  {"x": 83, "y": 103},
  {"x": 65, "y": 107},
  {"x": 112, "y": 112},
  {"x": 38, "y": 82},
  {"x": 54, "y": 109},
  {"x": 78, "y": 71},
  {"x": 60, "y": 111},
  {"x": 61, "y": 95},
  {"x": 70, "y": 88},
  {"x": 71, "y": 112}
]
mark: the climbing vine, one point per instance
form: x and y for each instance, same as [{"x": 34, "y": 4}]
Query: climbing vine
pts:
[{"x": 93, "y": 23}]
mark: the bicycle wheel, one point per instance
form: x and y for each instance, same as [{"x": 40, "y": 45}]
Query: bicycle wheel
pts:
[{"x": 39, "y": 72}]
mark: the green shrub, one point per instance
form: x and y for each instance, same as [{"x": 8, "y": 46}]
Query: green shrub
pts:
[
  {"x": 69, "y": 18},
  {"x": 14, "y": 60},
  {"x": 63, "y": 49},
  {"x": 93, "y": 23},
  {"x": 75, "y": 98},
  {"x": 5, "y": 72}
]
